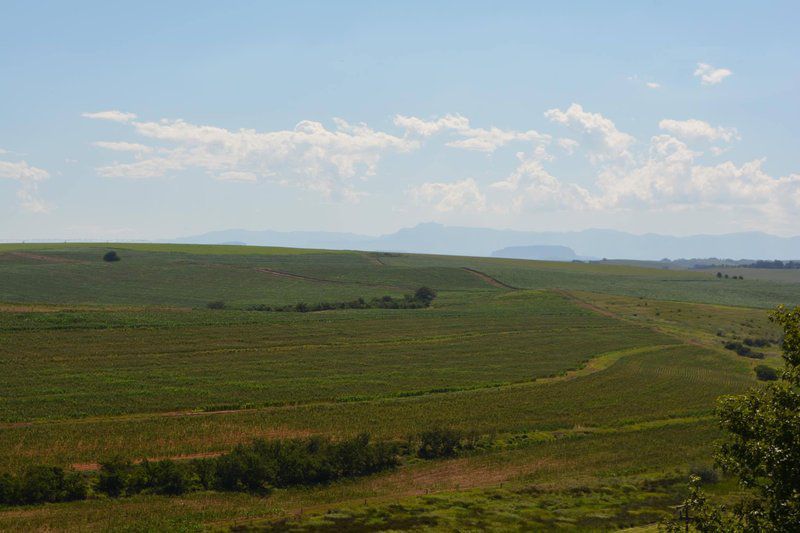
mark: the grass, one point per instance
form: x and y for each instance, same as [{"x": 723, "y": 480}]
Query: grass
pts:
[
  {"x": 269, "y": 359},
  {"x": 584, "y": 384},
  {"x": 571, "y": 470}
]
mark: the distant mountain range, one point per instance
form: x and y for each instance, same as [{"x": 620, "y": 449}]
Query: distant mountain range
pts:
[
  {"x": 542, "y": 252},
  {"x": 435, "y": 238}
]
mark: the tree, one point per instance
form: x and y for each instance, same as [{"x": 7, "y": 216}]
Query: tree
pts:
[
  {"x": 425, "y": 295},
  {"x": 719, "y": 275},
  {"x": 762, "y": 449},
  {"x": 111, "y": 257}
]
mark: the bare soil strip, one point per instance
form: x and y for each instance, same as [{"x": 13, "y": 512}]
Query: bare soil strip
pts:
[
  {"x": 47, "y": 258},
  {"x": 494, "y": 282}
]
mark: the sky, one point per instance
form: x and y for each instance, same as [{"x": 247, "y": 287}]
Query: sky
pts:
[{"x": 154, "y": 120}]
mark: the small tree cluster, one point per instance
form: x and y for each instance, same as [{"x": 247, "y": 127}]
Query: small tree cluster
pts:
[
  {"x": 442, "y": 443},
  {"x": 743, "y": 350},
  {"x": 423, "y": 297},
  {"x": 257, "y": 467},
  {"x": 42, "y": 484}
]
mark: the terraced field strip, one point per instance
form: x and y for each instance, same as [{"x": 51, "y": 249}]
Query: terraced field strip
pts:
[
  {"x": 290, "y": 275},
  {"x": 595, "y": 364}
]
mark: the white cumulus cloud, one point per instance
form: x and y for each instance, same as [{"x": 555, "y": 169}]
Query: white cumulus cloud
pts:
[
  {"x": 469, "y": 138},
  {"x": 697, "y": 129},
  {"x": 310, "y": 156},
  {"x": 611, "y": 143},
  {"x": 463, "y": 195},
  {"x": 28, "y": 177},
  {"x": 120, "y": 146},
  {"x": 112, "y": 115},
  {"x": 711, "y": 75}
]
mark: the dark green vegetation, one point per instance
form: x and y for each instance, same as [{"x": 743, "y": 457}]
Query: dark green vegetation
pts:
[
  {"x": 422, "y": 297},
  {"x": 761, "y": 450},
  {"x": 564, "y": 395}
]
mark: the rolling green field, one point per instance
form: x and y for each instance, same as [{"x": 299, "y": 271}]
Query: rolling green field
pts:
[{"x": 588, "y": 388}]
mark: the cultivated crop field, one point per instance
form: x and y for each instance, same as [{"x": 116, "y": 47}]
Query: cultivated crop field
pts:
[{"x": 581, "y": 394}]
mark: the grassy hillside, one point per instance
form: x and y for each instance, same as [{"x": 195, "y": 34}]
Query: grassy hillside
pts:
[
  {"x": 588, "y": 389},
  {"x": 192, "y": 275}
]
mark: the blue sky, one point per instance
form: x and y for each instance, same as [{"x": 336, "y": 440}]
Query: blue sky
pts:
[{"x": 147, "y": 120}]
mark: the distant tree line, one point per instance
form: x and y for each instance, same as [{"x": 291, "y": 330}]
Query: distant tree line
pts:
[
  {"x": 422, "y": 297},
  {"x": 774, "y": 264}
]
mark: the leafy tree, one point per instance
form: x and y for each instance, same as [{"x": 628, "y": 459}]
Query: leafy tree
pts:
[
  {"x": 762, "y": 449},
  {"x": 438, "y": 443},
  {"x": 111, "y": 257},
  {"x": 425, "y": 295},
  {"x": 115, "y": 476}
]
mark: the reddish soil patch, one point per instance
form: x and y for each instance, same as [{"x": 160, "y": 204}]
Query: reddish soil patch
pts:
[{"x": 47, "y": 258}]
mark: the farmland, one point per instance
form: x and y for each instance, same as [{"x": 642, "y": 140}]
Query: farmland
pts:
[{"x": 588, "y": 390}]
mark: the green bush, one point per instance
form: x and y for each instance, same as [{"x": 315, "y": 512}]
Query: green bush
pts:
[
  {"x": 111, "y": 257},
  {"x": 42, "y": 484},
  {"x": 766, "y": 373},
  {"x": 114, "y": 477},
  {"x": 438, "y": 443},
  {"x": 216, "y": 304},
  {"x": 425, "y": 295},
  {"x": 161, "y": 477}
]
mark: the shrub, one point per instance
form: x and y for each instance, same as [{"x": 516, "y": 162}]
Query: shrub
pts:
[
  {"x": 425, "y": 295},
  {"x": 743, "y": 350},
  {"x": 9, "y": 489},
  {"x": 216, "y": 304},
  {"x": 757, "y": 342},
  {"x": 40, "y": 484},
  {"x": 160, "y": 477},
  {"x": 114, "y": 477},
  {"x": 111, "y": 257},
  {"x": 766, "y": 373},
  {"x": 438, "y": 443}
]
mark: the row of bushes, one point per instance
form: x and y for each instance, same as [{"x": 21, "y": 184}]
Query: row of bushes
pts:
[
  {"x": 41, "y": 484},
  {"x": 257, "y": 468},
  {"x": 422, "y": 297},
  {"x": 757, "y": 342},
  {"x": 744, "y": 351}
]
